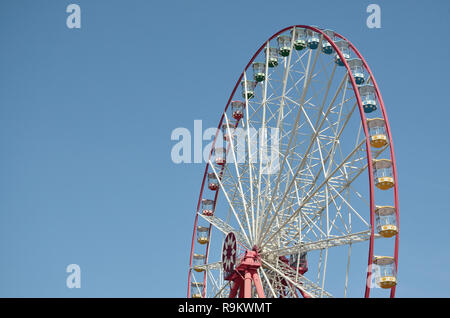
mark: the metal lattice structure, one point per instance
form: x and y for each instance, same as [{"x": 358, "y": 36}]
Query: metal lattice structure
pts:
[{"x": 306, "y": 97}]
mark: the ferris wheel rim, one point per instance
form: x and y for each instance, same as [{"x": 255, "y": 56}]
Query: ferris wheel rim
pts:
[
  {"x": 367, "y": 142},
  {"x": 393, "y": 160}
]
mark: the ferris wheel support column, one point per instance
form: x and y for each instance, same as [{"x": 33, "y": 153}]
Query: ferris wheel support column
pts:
[
  {"x": 245, "y": 274},
  {"x": 251, "y": 275},
  {"x": 258, "y": 284},
  {"x": 235, "y": 287},
  {"x": 247, "y": 284}
]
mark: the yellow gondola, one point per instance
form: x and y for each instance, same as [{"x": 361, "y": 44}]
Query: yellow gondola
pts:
[
  {"x": 198, "y": 261},
  {"x": 386, "y": 276},
  {"x": 197, "y": 289},
  {"x": 202, "y": 234},
  {"x": 383, "y": 174},
  {"x": 386, "y": 221},
  {"x": 377, "y": 132}
]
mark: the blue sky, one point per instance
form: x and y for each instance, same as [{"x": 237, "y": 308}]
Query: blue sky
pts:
[{"x": 86, "y": 117}]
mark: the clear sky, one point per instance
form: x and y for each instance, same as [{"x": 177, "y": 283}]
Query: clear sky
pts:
[{"x": 86, "y": 116}]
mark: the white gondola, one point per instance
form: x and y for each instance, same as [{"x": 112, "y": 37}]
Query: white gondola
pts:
[
  {"x": 356, "y": 67},
  {"x": 299, "y": 38},
  {"x": 326, "y": 46},
  {"x": 284, "y": 45},
  {"x": 248, "y": 89},
  {"x": 228, "y": 131},
  {"x": 207, "y": 207},
  {"x": 259, "y": 71},
  {"x": 237, "y": 109},
  {"x": 312, "y": 40},
  {"x": 369, "y": 101},
  {"x": 213, "y": 183},
  {"x": 272, "y": 56},
  {"x": 343, "y": 47},
  {"x": 220, "y": 155}
]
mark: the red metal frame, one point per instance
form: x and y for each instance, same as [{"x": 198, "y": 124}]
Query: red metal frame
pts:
[
  {"x": 237, "y": 283},
  {"x": 246, "y": 273},
  {"x": 394, "y": 165}
]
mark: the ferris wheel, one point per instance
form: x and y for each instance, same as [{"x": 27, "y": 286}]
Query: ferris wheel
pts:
[{"x": 299, "y": 197}]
